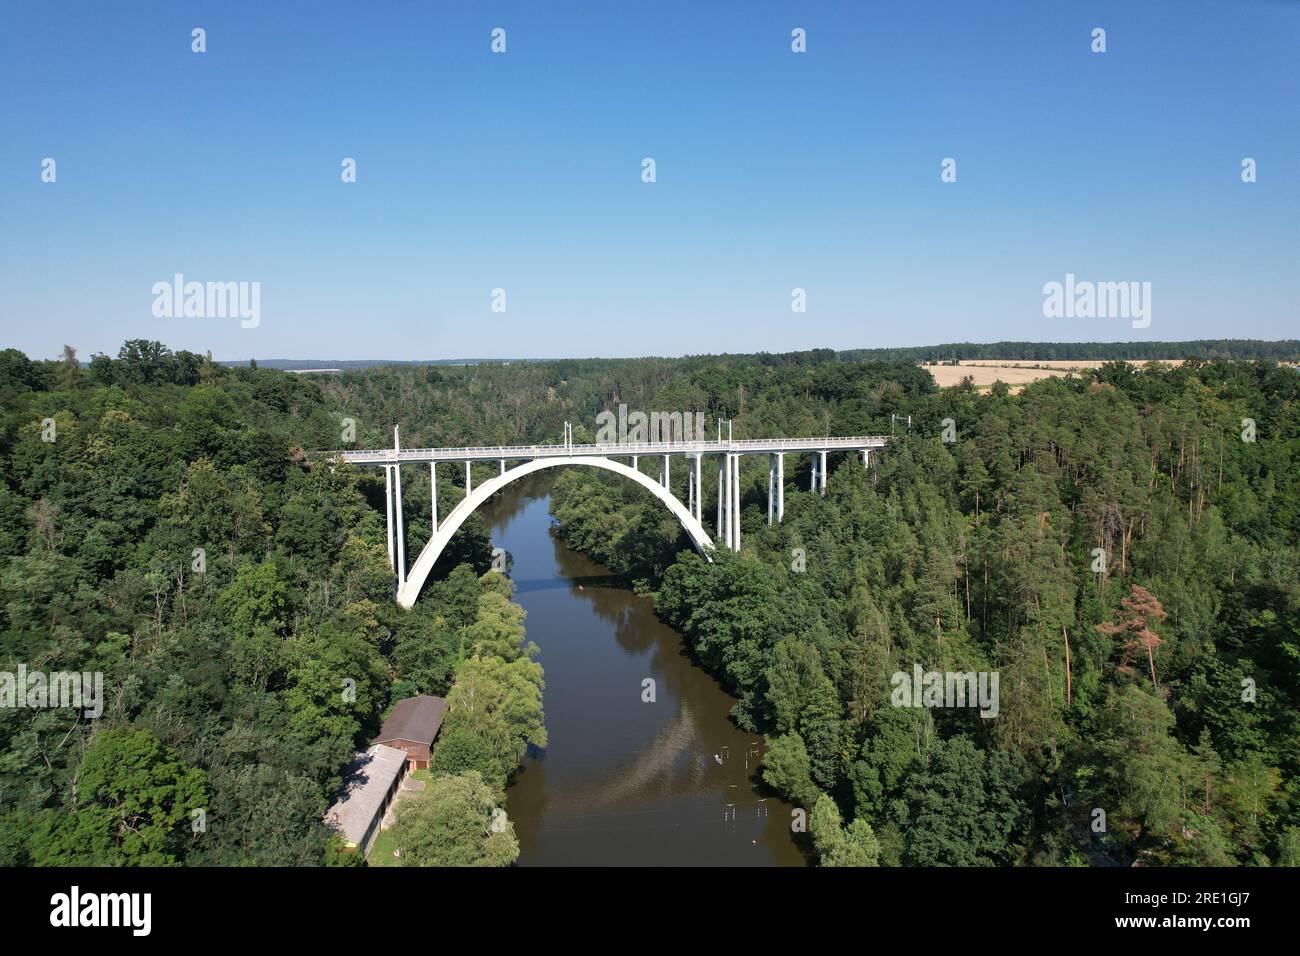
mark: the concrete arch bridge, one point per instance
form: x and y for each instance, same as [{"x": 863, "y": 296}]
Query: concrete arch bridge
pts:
[{"x": 527, "y": 459}]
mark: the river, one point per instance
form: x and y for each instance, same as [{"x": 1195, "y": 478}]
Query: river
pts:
[{"x": 624, "y": 781}]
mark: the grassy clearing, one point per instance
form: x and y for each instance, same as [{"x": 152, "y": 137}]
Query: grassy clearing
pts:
[{"x": 381, "y": 854}]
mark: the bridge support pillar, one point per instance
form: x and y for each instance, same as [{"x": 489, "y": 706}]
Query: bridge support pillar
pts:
[
  {"x": 771, "y": 489},
  {"x": 866, "y": 458},
  {"x": 388, "y": 513},
  {"x": 634, "y": 457},
  {"x": 822, "y": 471},
  {"x": 433, "y": 495},
  {"x": 735, "y": 503},
  {"x": 780, "y": 487},
  {"x": 812, "y": 479},
  {"x": 503, "y": 466},
  {"x": 667, "y": 476},
  {"x": 469, "y": 479},
  {"x": 401, "y": 527},
  {"x": 733, "y": 487},
  {"x": 722, "y": 528},
  {"x": 699, "y": 507}
]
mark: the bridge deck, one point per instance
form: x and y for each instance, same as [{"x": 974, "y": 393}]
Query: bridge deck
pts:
[{"x": 753, "y": 446}]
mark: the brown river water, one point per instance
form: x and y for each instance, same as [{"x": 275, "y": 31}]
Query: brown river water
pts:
[{"x": 625, "y": 782}]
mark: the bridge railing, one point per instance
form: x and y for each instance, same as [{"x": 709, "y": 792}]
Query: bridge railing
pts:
[{"x": 609, "y": 449}]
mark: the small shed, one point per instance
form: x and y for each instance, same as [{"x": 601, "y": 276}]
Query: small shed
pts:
[{"x": 412, "y": 727}]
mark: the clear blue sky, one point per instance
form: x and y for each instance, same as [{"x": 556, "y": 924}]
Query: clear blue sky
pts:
[{"x": 522, "y": 171}]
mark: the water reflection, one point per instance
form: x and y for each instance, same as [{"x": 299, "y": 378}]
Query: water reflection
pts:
[{"x": 625, "y": 781}]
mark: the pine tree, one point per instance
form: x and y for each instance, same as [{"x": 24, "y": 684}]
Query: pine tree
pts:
[{"x": 1138, "y": 612}]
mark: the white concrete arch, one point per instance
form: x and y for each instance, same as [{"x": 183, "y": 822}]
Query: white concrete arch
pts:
[{"x": 408, "y": 592}]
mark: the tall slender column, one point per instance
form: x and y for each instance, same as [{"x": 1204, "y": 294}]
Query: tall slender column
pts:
[
  {"x": 433, "y": 482},
  {"x": 634, "y": 457},
  {"x": 733, "y": 492},
  {"x": 823, "y": 474},
  {"x": 690, "y": 486},
  {"x": 469, "y": 479},
  {"x": 401, "y": 528},
  {"x": 866, "y": 458},
  {"x": 727, "y": 521},
  {"x": 722, "y": 528},
  {"x": 735, "y": 499},
  {"x": 503, "y": 466},
  {"x": 780, "y": 487},
  {"x": 667, "y": 476},
  {"x": 388, "y": 512},
  {"x": 771, "y": 490},
  {"x": 812, "y": 481},
  {"x": 699, "y": 508},
  {"x": 731, "y": 502}
]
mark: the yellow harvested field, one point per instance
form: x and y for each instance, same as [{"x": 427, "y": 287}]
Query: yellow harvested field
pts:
[{"x": 1015, "y": 372}]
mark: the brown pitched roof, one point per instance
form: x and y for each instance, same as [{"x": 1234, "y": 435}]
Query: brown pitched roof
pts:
[{"x": 416, "y": 718}]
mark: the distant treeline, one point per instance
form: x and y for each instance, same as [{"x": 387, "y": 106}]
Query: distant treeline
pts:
[
  {"x": 1239, "y": 349},
  {"x": 307, "y": 365}
]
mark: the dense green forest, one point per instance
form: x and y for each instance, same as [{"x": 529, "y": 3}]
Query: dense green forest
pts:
[
  {"x": 1161, "y": 690},
  {"x": 163, "y": 524}
]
